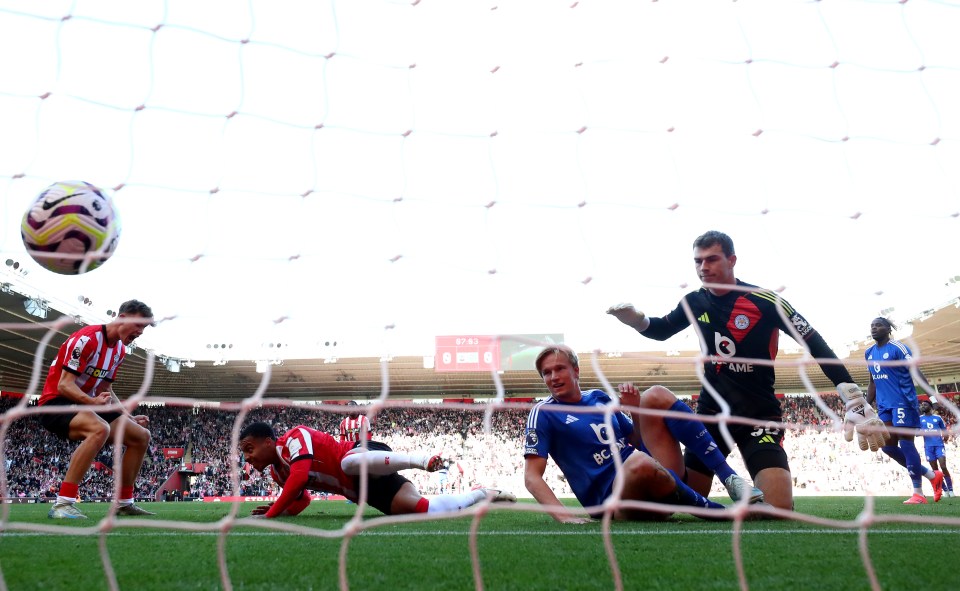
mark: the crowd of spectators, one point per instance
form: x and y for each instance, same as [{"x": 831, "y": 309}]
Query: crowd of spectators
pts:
[{"x": 35, "y": 461}]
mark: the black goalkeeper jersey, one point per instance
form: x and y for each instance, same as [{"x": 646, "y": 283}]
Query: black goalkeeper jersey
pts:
[{"x": 741, "y": 328}]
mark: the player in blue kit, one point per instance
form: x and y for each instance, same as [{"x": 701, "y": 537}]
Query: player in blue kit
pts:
[
  {"x": 891, "y": 386},
  {"x": 580, "y": 443},
  {"x": 934, "y": 437}
]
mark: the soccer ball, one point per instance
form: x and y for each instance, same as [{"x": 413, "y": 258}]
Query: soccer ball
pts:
[{"x": 71, "y": 227}]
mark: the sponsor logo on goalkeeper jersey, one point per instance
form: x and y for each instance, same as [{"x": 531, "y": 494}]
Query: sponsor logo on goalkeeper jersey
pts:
[
  {"x": 704, "y": 318},
  {"x": 727, "y": 347}
]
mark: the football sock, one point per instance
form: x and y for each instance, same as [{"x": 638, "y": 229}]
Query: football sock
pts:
[
  {"x": 381, "y": 463},
  {"x": 684, "y": 495},
  {"x": 912, "y": 460},
  {"x": 68, "y": 493},
  {"x": 694, "y": 436},
  {"x": 445, "y": 503},
  {"x": 895, "y": 454},
  {"x": 126, "y": 496},
  {"x": 949, "y": 481}
]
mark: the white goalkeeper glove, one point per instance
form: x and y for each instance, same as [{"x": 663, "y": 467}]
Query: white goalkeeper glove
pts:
[
  {"x": 630, "y": 316},
  {"x": 860, "y": 417}
]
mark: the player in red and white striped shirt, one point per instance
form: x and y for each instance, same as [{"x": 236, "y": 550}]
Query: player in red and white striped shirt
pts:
[
  {"x": 305, "y": 459},
  {"x": 351, "y": 427},
  {"x": 83, "y": 374}
]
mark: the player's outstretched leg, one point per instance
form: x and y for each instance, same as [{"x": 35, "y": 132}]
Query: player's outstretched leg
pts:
[
  {"x": 496, "y": 495},
  {"x": 695, "y": 437},
  {"x": 445, "y": 503},
  {"x": 381, "y": 463}
]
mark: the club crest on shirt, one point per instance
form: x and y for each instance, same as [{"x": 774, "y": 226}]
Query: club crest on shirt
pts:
[{"x": 741, "y": 321}]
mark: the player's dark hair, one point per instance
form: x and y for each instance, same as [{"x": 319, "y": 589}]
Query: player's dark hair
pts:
[
  {"x": 708, "y": 239},
  {"x": 258, "y": 430},
  {"x": 558, "y": 350},
  {"x": 137, "y": 308},
  {"x": 885, "y": 322}
]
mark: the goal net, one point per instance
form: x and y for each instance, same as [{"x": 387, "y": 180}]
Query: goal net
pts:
[{"x": 334, "y": 181}]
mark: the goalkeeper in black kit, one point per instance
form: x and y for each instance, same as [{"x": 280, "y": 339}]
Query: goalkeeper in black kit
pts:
[{"x": 741, "y": 323}]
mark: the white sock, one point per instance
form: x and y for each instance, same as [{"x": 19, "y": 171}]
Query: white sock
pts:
[
  {"x": 445, "y": 503},
  {"x": 124, "y": 502},
  {"x": 65, "y": 500},
  {"x": 381, "y": 463}
]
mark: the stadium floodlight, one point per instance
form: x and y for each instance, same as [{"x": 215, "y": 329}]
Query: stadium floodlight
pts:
[{"x": 37, "y": 307}]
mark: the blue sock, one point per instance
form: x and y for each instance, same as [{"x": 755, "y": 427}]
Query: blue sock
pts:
[
  {"x": 895, "y": 454},
  {"x": 694, "y": 436},
  {"x": 684, "y": 495},
  {"x": 949, "y": 482},
  {"x": 914, "y": 468}
]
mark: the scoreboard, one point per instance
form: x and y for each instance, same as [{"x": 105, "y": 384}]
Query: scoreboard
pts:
[
  {"x": 489, "y": 353},
  {"x": 467, "y": 353}
]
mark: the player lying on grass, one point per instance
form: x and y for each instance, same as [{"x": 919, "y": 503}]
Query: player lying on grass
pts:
[
  {"x": 305, "y": 459},
  {"x": 579, "y": 442}
]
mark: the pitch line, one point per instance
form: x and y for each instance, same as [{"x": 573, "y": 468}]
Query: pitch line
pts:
[{"x": 539, "y": 533}]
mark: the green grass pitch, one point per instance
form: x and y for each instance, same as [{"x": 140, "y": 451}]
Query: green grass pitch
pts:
[{"x": 518, "y": 550}]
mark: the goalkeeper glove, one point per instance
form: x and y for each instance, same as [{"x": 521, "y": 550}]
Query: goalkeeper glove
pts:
[{"x": 860, "y": 417}]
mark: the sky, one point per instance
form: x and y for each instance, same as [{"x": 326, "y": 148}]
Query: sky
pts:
[{"x": 376, "y": 174}]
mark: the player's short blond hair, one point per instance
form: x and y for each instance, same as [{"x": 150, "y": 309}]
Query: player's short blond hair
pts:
[{"x": 564, "y": 350}]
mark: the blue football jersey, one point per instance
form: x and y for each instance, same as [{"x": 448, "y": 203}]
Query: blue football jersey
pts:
[
  {"x": 894, "y": 384},
  {"x": 933, "y": 425},
  {"x": 579, "y": 442}
]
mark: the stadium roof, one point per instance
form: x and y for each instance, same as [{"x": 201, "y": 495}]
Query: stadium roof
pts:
[{"x": 936, "y": 336}]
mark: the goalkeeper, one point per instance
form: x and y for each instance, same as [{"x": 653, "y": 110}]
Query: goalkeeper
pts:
[{"x": 741, "y": 323}]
